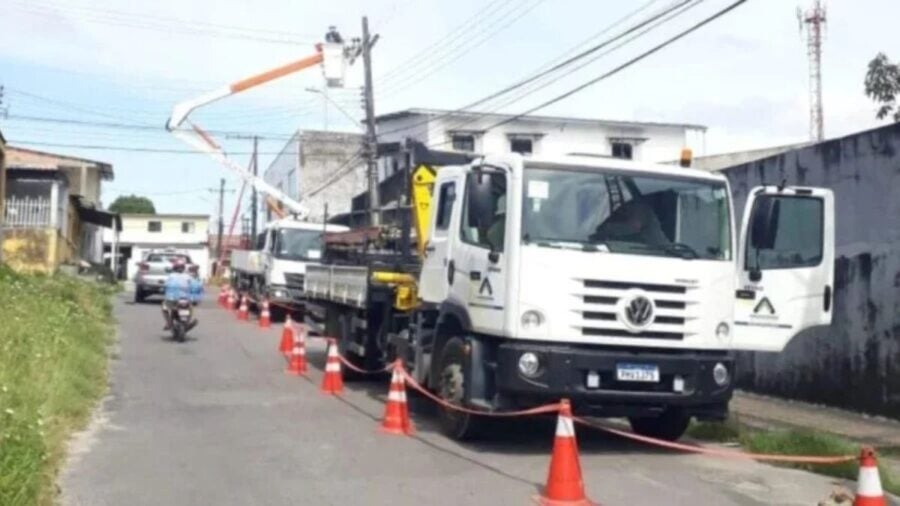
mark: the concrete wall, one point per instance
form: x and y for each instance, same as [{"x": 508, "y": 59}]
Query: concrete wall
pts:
[
  {"x": 135, "y": 235},
  {"x": 854, "y": 363},
  {"x": 310, "y": 159},
  {"x": 551, "y": 137}
]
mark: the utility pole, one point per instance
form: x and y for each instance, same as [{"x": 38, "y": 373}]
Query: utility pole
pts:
[
  {"x": 371, "y": 141},
  {"x": 814, "y": 21},
  {"x": 254, "y": 204}
]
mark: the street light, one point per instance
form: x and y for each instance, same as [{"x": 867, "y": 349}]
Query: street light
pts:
[{"x": 338, "y": 106}]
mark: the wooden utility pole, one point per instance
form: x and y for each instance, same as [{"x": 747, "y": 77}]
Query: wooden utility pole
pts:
[
  {"x": 221, "y": 228},
  {"x": 254, "y": 202},
  {"x": 371, "y": 141}
]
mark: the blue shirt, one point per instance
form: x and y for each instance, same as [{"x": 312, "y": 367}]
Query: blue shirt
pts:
[{"x": 178, "y": 286}]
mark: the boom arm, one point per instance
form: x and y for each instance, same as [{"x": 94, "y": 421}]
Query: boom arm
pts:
[{"x": 330, "y": 54}]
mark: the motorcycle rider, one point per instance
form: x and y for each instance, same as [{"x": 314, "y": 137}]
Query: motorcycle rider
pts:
[{"x": 179, "y": 285}]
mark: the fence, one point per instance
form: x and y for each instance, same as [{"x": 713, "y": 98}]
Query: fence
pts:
[{"x": 28, "y": 212}]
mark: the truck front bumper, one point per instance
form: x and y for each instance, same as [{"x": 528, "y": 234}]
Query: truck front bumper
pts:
[
  {"x": 285, "y": 295},
  {"x": 685, "y": 379}
]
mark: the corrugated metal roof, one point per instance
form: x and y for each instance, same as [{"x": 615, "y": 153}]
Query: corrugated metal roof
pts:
[{"x": 24, "y": 158}]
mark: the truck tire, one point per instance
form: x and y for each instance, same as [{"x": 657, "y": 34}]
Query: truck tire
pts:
[
  {"x": 451, "y": 387},
  {"x": 669, "y": 426}
]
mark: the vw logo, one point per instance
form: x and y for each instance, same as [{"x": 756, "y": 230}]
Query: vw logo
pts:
[{"x": 639, "y": 311}]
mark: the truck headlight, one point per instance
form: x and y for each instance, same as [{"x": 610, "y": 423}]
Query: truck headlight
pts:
[
  {"x": 722, "y": 331},
  {"x": 529, "y": 364},
  {"x": 532, "y": 319},
  {"x": 720, "y": 374}
]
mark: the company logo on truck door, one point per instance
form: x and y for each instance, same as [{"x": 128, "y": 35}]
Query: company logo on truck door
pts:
[{"x": 638, "y": 311}]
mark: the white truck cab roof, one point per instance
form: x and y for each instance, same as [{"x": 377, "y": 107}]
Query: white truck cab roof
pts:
[
  {"x": 304, "y": 225},
  {"x": 599, "y": 163}
]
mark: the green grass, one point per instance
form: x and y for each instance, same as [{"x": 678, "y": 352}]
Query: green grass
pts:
[
  {"x": 54, "y": 335},
  {"x": 794, "y": 442}
]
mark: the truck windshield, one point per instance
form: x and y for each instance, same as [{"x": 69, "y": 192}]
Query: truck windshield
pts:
[
  {"x": 621, "y": 212},
  {"x": 296, "y": 244}
]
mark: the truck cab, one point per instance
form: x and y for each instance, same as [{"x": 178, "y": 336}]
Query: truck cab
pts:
[{"x": 625, "y": 287}]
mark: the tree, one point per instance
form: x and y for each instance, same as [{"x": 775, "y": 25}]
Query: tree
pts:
[
  {"x": 132, "y": 204},
  {"x": 883, "y": 86}
]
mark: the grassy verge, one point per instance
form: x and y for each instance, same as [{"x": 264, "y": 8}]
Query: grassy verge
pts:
[
  {"x": 792, "y": 442},
  {"x": 54, "y": 333}
]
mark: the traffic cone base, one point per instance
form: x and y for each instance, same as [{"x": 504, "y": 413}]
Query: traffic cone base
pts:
[
  {"x": 396, "y": 411},
  {"x": 564, "y": 482},
  {"x": 868, "y": 486},
  {"x": 332, "y": 382}
]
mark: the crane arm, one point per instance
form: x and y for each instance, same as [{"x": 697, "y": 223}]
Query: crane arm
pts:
[{"x": 330, "y": 54}]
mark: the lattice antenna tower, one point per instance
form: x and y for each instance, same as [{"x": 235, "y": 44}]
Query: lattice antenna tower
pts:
[{"x": 812, "y": 24}]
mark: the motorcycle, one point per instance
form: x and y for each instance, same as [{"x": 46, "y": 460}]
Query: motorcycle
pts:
[{"x": 182, "y": 319}]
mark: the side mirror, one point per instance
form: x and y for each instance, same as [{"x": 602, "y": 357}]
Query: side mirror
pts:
[
  {"x": 479, "y": 201},
  {"x": 764, "y": 223}
]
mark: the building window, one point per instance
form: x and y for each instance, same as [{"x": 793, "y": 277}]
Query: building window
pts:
[
  {"x": 187, "y": 227},
  {"x": 446, "y": 198},
  {"x": 522, "y": 146},
  {"x": 462, "y": 142},
  {"x": 154, "y": 226},
  {"x": 623, "y": 150}
]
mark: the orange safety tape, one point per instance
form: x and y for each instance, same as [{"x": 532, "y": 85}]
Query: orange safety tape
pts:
[
  {"x": 352, "y": 367},
  {"x": 547, "y": 408},
  {"x": 799, "y": 459}
]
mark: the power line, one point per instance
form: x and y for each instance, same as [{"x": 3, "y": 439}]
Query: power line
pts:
[
  {"x": 161, "y": 24},
  {"x": 647, "y": 26},
  {"x": 621, "y": 67},
  {"x": 139, "y": 149},
  {"x": 554, "y": 67},
  {"x": 449, "y": 57},
  {"x": 133, "y": 126}
]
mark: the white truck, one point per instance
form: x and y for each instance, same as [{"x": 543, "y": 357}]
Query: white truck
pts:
[
  {"x": 625, "y": 287},
  {"x": 276, "y": 269}
]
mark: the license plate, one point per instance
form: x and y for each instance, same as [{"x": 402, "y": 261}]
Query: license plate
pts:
[
  {"x": 184, "y": 313},
  {"x": 637, "y": 372}
]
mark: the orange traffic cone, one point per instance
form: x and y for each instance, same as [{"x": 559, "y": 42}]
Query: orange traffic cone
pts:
[
  {"x": 332, "y": 382},
  {"x": 244, "y": 309},
  {"x": 223, "y": 296},
  {"x": 396, "y": 412},
  {"x": 265, "y": 317},
  {"x": 287, "y": 337},
  {"x": 297, "y": 363},
  {"x": 564, "y": 483},
  {"x": 868, "y": 486}
]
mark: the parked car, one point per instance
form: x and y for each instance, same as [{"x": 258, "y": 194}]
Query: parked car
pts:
[{"x": 153, "y": 270}]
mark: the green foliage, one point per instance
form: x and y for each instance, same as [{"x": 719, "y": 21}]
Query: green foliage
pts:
[
  {"x": 721, "y": 432},
  {"x": 132, "y": 204},
  {"x": 883, "y": 85},
  {"x": 53, "y": 350}
]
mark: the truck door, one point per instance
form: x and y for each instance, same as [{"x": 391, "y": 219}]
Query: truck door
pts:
[
  {"x": 785, "y": 276},
  {"x": 480, "y": 251},
  {"x": 438, "y": 267}
]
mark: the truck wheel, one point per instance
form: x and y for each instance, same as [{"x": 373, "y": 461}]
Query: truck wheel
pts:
[
  {"x": 670, "y": 425},
  {"x": 139, "y": 295},
  {"x": 451, "y": 388}
]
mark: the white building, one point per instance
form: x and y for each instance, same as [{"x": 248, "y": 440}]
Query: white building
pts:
[
  {"x": 542, "y": 135},
  {"x": 188, "y": 233}
]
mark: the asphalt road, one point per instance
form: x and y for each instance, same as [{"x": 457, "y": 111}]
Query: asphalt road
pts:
[{"x": 215, "y": 420}]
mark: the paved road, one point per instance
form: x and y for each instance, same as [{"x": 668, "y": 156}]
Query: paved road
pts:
[{"x": 216, "y": 421}]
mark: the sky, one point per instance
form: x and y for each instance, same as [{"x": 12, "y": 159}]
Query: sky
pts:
[{"x": 67, "y": 65}]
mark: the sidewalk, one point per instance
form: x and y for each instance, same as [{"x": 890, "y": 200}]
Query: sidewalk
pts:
[{"x": 768, "y": 412}]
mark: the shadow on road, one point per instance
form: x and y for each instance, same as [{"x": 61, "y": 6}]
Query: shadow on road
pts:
[{"x": 517, "y": 436}]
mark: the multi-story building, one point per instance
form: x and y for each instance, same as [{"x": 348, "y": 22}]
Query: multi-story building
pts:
[{"x": 186, "y": 233}]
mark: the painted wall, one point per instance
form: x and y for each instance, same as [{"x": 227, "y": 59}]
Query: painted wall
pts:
[
  {"x": 660, "y": 143},
  {"x": 854, "y": 363},
  {"x": 135, "y": 234}
]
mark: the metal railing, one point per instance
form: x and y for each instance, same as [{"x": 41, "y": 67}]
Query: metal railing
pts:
[{"x": 28, "y": 212}]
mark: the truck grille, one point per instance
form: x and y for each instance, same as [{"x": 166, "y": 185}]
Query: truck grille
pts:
[
  {"x": 598, "y": 313},
  {"x": 294, "y": 281}
]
